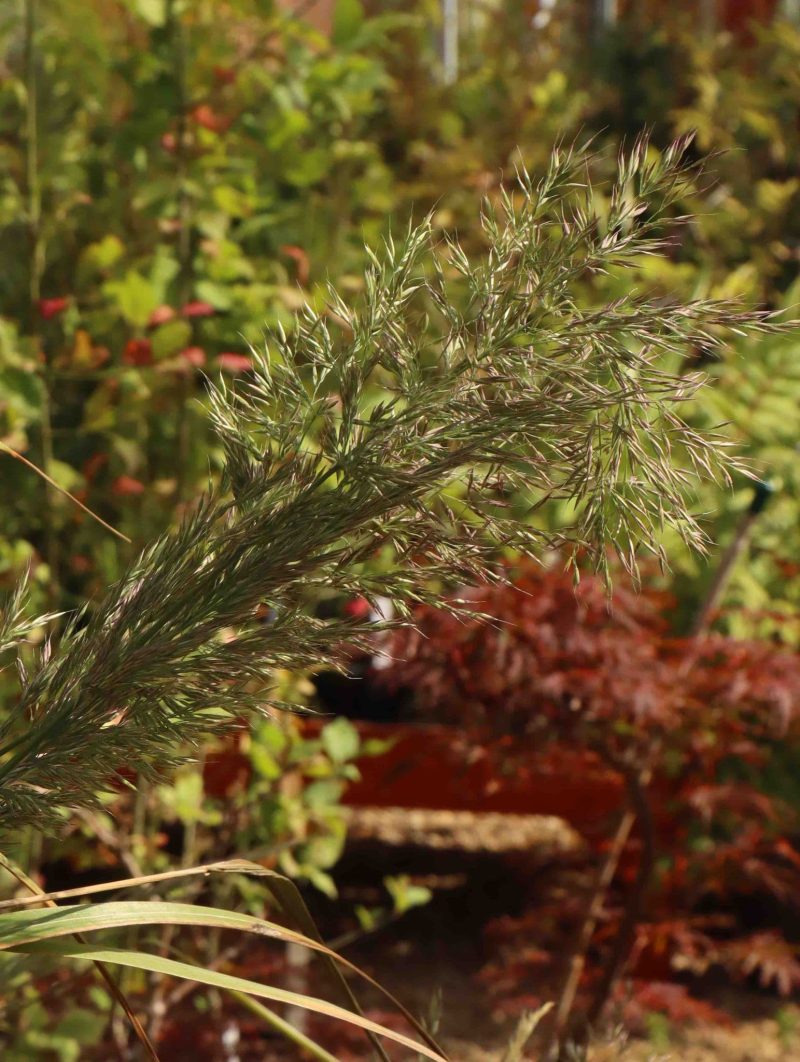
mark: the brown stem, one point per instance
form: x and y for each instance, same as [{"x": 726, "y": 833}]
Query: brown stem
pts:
[
  {"x": 40, "y": 472},
  {"x": 715, "y": 593},
  {"x": 723, "y": 574},
  {"x": 114, "y": 841},
  {"x": 636, "y": 785},
  {"x": 594, "y": 909}
]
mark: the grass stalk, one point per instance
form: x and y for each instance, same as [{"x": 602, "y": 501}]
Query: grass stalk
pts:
[
  {"x": 288, "y": 1031},
  {"x": 177, "y": 36},
  {"x": 36, "y": 262}
]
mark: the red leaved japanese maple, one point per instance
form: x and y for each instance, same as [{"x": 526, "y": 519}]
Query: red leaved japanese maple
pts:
[{"x": 686, "y": 723}]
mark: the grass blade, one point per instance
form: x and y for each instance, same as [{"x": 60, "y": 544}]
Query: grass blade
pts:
[
  {"x": 226, "y": 866},
  {"x": 226, "y": 982},
  {"x": 288, "y": 897},
  {"x": 28, "y": 927}
]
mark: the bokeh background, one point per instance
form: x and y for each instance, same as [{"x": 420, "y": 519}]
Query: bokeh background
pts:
[{"x": 176, "y": 179}]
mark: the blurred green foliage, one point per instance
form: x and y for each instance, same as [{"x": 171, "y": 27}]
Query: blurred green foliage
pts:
[{"x": 199, "y": 169}]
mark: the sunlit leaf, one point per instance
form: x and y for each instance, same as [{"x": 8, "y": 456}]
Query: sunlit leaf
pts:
[{"x": 215, "y": 979}]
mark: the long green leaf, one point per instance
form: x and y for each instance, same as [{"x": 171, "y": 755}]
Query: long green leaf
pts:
[
  {"x": 286, "y": 894},
  {"x": 226, "y": 982},
  {"x": 28, "y": 927},
  {"x": 25, "y": 927}
]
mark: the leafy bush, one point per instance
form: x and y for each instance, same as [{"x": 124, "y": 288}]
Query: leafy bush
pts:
[
  {"x": 684, "y": 724},
  {"x": 191, "y": 187}
]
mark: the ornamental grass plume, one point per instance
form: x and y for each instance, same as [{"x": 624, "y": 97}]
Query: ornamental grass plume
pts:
[{"x": 427, "y": 424}]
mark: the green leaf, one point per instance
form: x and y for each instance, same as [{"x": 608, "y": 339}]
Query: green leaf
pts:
[
  {"x": 21, "y": 390},
  {"x": 323, "y": 850},
  {"x": 217, "y": 294},
  {"x": 103, "y": 254},
  {"x": 171, "y": 968},
  {"x": 29, "y": 926},
  {"x": 348, "y": 18},
  {"x": 322, "y": 881},
  {"x": 185, "y": 798},
  {"x": 368, "y": 917},
  {"x": 271, "y": 736},
  {"x": 135, "y": 297},
  {"x": 232, "y": 201},
  {"x": 341, "y": 740},
  {"x": 153, "y": 12},
  {"x": 163, "y": 270},
  {"x": 171, "y": 338},
  {"x": 264, "y": 762},
  {"x": 323, "y": 794},
  {"x": 377, "y": 746},
  {"x": 64, "y": 475},
  {"x": 85, "y": 1026},
  {"x": 308, "y": 167},
  {"x": 405, "y": 895}
]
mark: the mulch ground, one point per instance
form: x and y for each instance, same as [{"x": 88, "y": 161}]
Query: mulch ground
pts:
[{"x": 439, "y": 949}]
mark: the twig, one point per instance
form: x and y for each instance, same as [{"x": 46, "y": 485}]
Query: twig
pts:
[
  {"x": 722, "y": 576},
  {"x": 524, "y": 1031},
  {"x": 636, "y": 785},
  {"x": 40, "y": 472},
  {"x": 579, "y": 951},
  {"x": 110, "y": 839}
]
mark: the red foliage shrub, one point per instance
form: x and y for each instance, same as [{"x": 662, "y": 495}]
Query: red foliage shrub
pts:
[
  {"x": 49, "y": 308},
  {"x": 564, "y": 661},
  {"x": 672, "y": 1000},
  {"x": 138, "y": 352},
  {"x": 198, "y": 308},
  {"x": 692, "y": 720},
  {"x": 234, "y": 363},
  {"x": 127, "y": 486}
]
